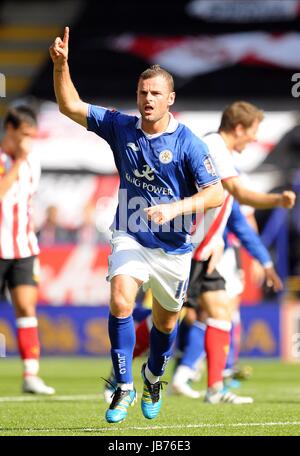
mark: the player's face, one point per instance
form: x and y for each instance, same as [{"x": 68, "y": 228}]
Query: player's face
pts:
[
  {"x": 13, "y": 136},
  {"x": 154, "y": 98},
  {"x": 244, "y": 136}
]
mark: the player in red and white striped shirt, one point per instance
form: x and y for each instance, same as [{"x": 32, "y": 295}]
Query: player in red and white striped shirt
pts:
[
  {"x": 19, "y": 177},
  {"x": 239, "y": 125}
]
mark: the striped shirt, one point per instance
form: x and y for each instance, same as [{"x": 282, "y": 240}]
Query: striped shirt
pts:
[
  {"x": 17, "y": 236},
  {"x": 209, "y": 228}
]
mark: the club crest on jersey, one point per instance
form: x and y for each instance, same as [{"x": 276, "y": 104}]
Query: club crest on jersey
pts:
[
  {"x": 209, "y": 166},
  {"x": 165, "y": 156}
]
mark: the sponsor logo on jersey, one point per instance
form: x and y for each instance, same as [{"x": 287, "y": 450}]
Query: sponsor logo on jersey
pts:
[
  {"x": 166, "y": 156},
  {"x": 147, "y": 173},
  {"x": 149, "y": 187}
]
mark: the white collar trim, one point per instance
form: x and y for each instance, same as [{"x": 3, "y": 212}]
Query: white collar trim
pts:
[{"x": 172, "y": 126}]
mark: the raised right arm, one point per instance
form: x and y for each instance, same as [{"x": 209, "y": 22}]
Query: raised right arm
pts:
[{"x": 67, "y": 96}]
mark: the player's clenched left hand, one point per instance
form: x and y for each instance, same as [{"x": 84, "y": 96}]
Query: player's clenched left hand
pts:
[
  {"x": 162, "y": 213},
  {"x": 17, "y": 147},
  {"x": 272, "y": 279},
  {"x": 215, "y": 256},
  {"x": 288, "y": 199}
]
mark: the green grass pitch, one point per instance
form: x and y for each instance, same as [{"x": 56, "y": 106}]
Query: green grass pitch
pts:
[{"x": 78, "y": 408}]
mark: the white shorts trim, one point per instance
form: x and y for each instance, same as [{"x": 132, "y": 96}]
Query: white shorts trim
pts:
[{"x": 167, "y": 275}]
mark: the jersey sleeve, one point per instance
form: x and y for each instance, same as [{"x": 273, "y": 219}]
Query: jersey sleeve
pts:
[
  {"x": 239, "y": 226},
  {"x": 246, "y": 210},
  {"x": 221, "y": 156},
  {"x": 101, "y": 121},
  {"x": 201, "y": 165}
]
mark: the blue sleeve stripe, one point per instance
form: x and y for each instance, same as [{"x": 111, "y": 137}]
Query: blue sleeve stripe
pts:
[{"x": 209, "y": 183}]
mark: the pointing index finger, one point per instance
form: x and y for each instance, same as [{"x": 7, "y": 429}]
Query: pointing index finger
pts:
[{"x": 66, "y": 36}]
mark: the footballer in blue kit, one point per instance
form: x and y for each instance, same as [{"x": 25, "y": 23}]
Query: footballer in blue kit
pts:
[
  {"x": 166, "y": 176},
  {"x": 158, "y": 170}
]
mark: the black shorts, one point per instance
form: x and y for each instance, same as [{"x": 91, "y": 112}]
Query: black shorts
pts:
[
  {"x": 23, "y": 271},
  {"x": 200, "y": 282}
]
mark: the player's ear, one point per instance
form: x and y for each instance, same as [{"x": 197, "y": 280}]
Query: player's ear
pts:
[
  {"x": 171, "y": 99},
  {"x": 239, "y": 130}
]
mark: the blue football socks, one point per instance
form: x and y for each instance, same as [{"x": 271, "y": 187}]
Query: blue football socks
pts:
[
  {"x": 194, "y": 349},
  {"x": 161, "y": 349},
  {"x": 122, "y": 339}
]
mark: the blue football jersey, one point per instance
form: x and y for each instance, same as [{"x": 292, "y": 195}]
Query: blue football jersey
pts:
[{"x": 156, "y": 170}]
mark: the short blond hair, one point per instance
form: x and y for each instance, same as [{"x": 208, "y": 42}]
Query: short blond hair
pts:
[
  {"x": 157, "y": 70},
  {"x": 242, "y": 113}
]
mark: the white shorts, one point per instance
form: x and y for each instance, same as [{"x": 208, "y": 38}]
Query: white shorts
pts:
[
  {"x": 232, "y": 275},
  {"x": 167, "y": 275}
]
